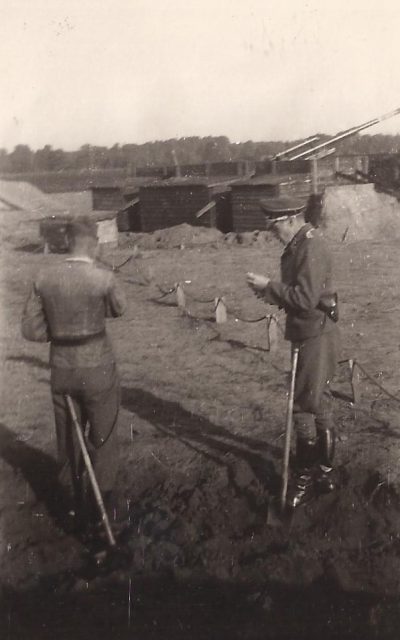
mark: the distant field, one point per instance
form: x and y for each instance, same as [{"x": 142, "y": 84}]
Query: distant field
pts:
[{"x": 73, "y": 180}]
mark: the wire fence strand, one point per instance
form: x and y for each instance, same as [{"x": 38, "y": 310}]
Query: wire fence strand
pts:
[
  {"x": 373, "y": 381},
  {"x": 216, "y": 300}
]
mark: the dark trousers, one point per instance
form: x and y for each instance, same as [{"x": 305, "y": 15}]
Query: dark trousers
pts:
[
  {"x": 315, "y": 369},
  {"x": 95, "y": 393}
]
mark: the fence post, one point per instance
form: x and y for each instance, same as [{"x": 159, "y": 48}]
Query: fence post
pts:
[
  {"x": 272, "y": 333},
  {"x": 180, "y": 296},
  {"x": 220, "y": 310},
  {"x": 355, "y": 381}
]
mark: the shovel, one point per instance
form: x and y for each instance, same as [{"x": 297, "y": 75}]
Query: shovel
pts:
[
  {"x": 277, "y": 513},
  {"x": 117, "y": 555}
]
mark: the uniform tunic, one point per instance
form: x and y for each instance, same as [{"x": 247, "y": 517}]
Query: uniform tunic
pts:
[
  {"x": 306, "y": 271},
  {"x": 68, "y": 307}
]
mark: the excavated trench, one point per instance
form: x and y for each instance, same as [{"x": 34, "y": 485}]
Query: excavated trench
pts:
[{"x": 205, "y": 563}]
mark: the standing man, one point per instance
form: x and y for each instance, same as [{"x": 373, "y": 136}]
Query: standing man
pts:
[
  {"x": 67, "y": 307},
  {"x": 307, "y": 294}
]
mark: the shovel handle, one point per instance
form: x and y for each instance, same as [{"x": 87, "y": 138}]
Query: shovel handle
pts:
[
  {"x": 289, "y": 428},
  {"x": 90, "y": 470}
]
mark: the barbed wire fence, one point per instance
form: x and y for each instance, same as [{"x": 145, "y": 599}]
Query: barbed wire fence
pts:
[{"x": 357, "y": 373}]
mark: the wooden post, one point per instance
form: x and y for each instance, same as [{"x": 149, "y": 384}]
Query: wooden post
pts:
[
  {"x": 177, "y": 165},
  {"x": 180, "y": 296},
  {"x": 314, "y": 175},
  {"x": 272, "y": 332},
  {"x": 355, "y": 381},
  {"x": 365, "y": 165},
  {"x": 220, "y": 310},
  {"x": 337, "y": 164}
]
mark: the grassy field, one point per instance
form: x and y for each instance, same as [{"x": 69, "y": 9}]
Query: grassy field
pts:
[{"x": 203, "y": 412}]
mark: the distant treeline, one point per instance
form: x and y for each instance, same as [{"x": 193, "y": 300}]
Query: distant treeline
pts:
[{"x": 192, "y": 150}]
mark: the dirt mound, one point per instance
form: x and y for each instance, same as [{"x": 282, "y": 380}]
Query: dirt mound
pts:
[
  {"x": 181, "y": 236},
  {"x": 185, "y": 235},
  {"x": 252, "y": 238},
  {"x": 359, "y": 212}
]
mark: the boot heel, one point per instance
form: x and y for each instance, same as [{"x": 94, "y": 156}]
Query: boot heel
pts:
[
  {"x": 302, "y": 489},
  {"x": 326, "y": 440}
]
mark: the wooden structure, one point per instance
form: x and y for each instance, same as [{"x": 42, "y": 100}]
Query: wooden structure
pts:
[
  {"x": 107, "y": 198},
  {"x": 246, "y": 196},
  {"x": 191, "y": 201},
  {"x": 282, "y": 167},
  {"x": 123, "y": 201},
  {"x": 384, "y": 171},
  {"x": 128, "y": 218}
]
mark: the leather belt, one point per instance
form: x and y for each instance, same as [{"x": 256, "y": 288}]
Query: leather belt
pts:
[{"x": 75, "y": 341}]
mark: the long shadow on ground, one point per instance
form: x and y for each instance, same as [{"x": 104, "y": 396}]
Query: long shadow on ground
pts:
[
  {"x": 173, "y": 420},
  {"x": 39, "y": 469}
]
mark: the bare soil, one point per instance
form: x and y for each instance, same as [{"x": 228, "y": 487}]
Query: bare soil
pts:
[{"x": 203, "y": 412}]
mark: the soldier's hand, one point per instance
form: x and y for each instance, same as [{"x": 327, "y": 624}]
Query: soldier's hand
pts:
[{"x": 257, "y": 282}]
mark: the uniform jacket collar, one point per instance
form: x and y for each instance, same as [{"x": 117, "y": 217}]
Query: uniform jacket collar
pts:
[{"x": 297, "y": 239}]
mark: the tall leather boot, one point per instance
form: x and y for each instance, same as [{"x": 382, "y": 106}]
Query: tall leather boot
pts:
[
  {"x": 326, "y": 440},
  {"x": 302, "y": 487}
]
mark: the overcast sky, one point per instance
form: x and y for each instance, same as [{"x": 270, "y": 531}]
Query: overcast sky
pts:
[{"x": 119, "y": 71}]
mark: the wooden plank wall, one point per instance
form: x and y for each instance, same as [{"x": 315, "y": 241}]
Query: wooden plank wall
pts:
[
  {"x": 223, "y": 169},
  {"x": 282, "y": 167},
  {"x": 247, "y": 214},
  {"x": 296, "y": 188},
  {"x": 385, "y": 170},
  {"x": 246, "y": 210},
  {"x": 168, "y": 205},
  {"x": 107, "y": 198}
]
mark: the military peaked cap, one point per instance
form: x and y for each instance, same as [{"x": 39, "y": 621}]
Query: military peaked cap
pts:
[{"x": 282, "y": 207}]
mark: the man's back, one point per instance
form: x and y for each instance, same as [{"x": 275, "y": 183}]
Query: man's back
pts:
[
  {"x": 75, "y": 298},
  {"x": 70, "y": 303}
]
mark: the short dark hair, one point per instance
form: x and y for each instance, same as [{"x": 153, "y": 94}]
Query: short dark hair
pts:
[{"x": 81, "y": 227}]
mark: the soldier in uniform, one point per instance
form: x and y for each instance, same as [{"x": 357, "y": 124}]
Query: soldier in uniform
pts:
[
  {"x": 307, "y": 294},
  {"x": 67, "y": 307}
]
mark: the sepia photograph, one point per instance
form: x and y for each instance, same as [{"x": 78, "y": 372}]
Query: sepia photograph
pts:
[{"x": 200, "y": 320}]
